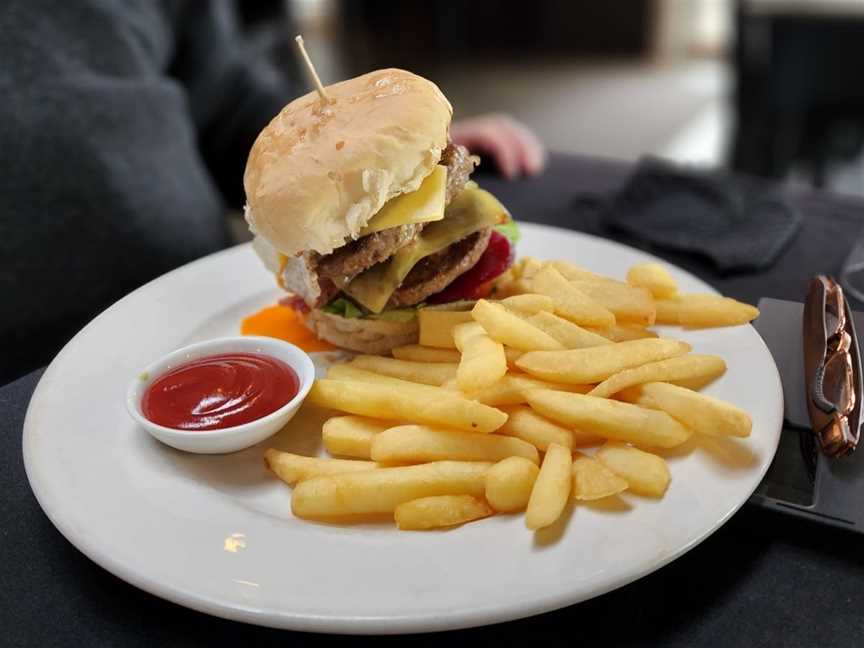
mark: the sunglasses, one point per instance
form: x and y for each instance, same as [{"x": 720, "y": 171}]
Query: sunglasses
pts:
[{"x": 832, "y": 368}]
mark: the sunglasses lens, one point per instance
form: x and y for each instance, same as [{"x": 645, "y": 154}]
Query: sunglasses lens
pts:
[
  {"x": 835, "y": 437},
  {"x": 838, "y": 383},
  {"x": 835, "y": 313}
]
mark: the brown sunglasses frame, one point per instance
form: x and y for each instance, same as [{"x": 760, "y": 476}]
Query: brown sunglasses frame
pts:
[{"x": 832, "y": 367}]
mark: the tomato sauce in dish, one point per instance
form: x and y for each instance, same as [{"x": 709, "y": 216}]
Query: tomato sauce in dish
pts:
[{"x": 219, "y": 391}]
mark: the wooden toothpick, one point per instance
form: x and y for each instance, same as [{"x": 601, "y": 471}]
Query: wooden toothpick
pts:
[{"x": 311, "y": 69}]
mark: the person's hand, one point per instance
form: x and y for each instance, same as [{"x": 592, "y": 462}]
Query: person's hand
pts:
[{"x": 515, "y": 149}]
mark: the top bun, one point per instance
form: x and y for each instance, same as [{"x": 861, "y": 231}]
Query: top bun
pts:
[{"x": 317, "y": 173}]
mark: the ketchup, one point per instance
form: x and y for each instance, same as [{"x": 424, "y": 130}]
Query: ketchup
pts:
[{"x": 219, "y": 391}]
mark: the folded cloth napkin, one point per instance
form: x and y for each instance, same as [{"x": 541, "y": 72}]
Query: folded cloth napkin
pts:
[{"x": 740, "y": 223}]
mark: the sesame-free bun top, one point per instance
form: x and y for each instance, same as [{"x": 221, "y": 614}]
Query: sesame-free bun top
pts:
[{"x": 318, "y": 172}]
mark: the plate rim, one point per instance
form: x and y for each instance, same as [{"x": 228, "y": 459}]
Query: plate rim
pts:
[{"x": 346, "y": 624}]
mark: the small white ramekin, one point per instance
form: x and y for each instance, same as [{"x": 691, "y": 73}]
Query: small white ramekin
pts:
[{"x": 233, "y": 438}]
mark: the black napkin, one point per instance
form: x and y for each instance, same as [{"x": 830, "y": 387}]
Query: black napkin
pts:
[{"x": 740, "y": 223}]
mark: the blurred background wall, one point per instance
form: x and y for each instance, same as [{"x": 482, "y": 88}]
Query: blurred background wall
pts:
[
  {"x": 770, "y": 87},
  {"x": 617, "y": 79}
]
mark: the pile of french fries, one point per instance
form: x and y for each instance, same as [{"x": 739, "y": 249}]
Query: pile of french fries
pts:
[{"x": 485, "y": 415}]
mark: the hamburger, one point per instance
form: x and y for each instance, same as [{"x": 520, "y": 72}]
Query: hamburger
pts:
[{"x": 364, "y": 211}]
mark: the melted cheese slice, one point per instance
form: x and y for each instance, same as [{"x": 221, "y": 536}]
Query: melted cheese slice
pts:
[
  {"x": 469, "y": 211},
  {"x": 421, "y": 206}
]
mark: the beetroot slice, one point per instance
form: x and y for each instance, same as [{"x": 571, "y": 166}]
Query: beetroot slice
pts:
[{"x": 499, "y": 256}]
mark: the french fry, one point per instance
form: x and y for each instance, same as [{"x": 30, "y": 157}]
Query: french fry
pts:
[
  {"x": 510, "y": 288},
  {"x": 527, "y": 267},
  {"x": 570, "y": 335},
  {"x": 466, "y": 330},
  {"x": 703, "y": 414},
  {"x": 526, "y": 424},
  {"x": 592, "y": 480},
  {"x": 452, "y": 385},
  {"x": 512, "y": 355},
  {"x": 570, "y": 303},
  {"x": 645, "y": 473},
  {"x": 420, "y": 443},
  {"x": 293, "y": 468},
  {"x": 347, "y": 372},
  {"x": 654, "y": 278},
  {"x": 427, "y": 373},
  {"x": 609, "y": 419},
  {"x": 689, "y": 367},
  {"x": 510, "y": 390},
  {"x": 436, "y": 326},
  {"x": 595, "y": 364},
  {"x": 502, "y": 280},
  {"x": 383, "y": 489},
  {"x": 406, "y": 402},
  {"x": 509, "y": 483},
  {"x": 624, "y": 332},
  {"x": 420, "y": 353},
  {"x": 572, "y": 272},
  {"x": 510, "y": 329},
  {"x": 523, "y": 423},
  {"x": 483, "y": 361},
  {"x": 551, "y": 489},
  {"x": 351, "y": 436},
  {"x": 439, "y": 511},
  {"x": 695, "y": 384},
  {"x": 627, "y": 303},
  {"x": 704, "y": 311},
  {"x": 529, "y": 303}
]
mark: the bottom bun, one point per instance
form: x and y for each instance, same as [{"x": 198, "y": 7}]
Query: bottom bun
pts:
[{"x": 363, "y": 335}]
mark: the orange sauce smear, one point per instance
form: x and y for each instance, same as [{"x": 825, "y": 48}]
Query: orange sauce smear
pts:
[{"x": 283, "y": 323}]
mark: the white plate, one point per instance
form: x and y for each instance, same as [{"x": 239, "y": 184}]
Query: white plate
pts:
[{"x": 215, "y": 533}]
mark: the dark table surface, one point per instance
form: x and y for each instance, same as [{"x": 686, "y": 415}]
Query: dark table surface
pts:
[{"x": 761, "y": 580}]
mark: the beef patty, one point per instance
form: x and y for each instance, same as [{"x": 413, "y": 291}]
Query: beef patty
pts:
[
  {"x": 437, "y": 271},
  {"x": 356, "y": 256}
]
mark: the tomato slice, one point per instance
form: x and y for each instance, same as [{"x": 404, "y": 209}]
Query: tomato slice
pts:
[{"x": 499, "y": 256}]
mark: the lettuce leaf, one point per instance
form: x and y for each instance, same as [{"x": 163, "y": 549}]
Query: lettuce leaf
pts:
[
  {"x": 344, "y": 308},
  {"x": 510, "y": 230}
]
